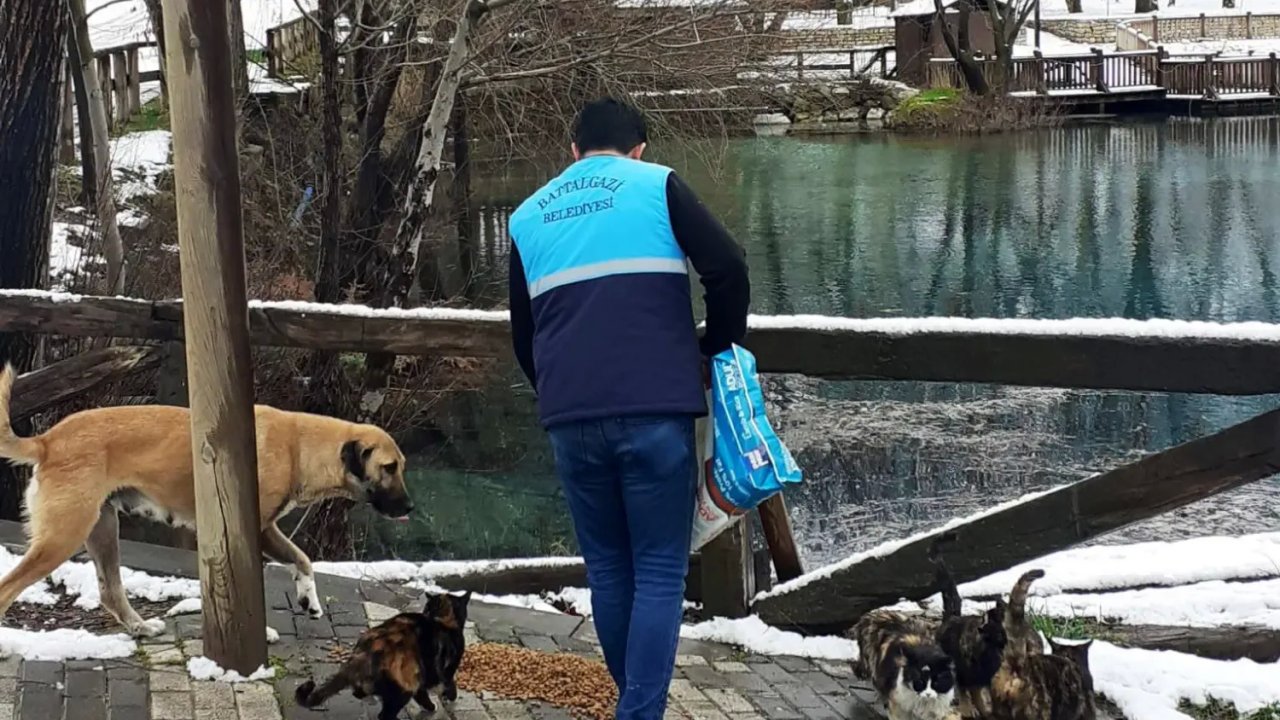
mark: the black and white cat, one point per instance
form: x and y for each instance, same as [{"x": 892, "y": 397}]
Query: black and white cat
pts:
[{"x": 911, "y": 673}]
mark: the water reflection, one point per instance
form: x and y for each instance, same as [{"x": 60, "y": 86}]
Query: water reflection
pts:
[{"x": 1172, "y": 220}]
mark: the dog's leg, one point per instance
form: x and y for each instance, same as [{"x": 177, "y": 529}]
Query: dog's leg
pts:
[
  {"x": 52, "y": 543},
  {"x": 281, "y": 549},
  {"x": 103, "y": 546}
]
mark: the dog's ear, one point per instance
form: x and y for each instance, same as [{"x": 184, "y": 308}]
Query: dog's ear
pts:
[{"x": 353, "y": 458}]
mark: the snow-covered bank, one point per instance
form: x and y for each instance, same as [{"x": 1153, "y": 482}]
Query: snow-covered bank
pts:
[{"x": 1148, "y": 684}]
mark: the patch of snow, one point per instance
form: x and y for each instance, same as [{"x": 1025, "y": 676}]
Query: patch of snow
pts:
[
  {"x": 577, "y": 599},
  {"x": 1227, "y": 48},
  {"x": 81, "y": 580},
  {"x": 1148, "y": 684},
  {"x": 64, "y": 644},
  {"x": 402, "y": 571},
  {"x": 189, "y": 606},
  {"x": 138, "y": 160},
  {"x": 202, "y": 668},
  {"x": 753, "y": 635}
]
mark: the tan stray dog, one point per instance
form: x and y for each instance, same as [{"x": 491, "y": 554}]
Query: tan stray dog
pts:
[{"x": 137, "y": 459}]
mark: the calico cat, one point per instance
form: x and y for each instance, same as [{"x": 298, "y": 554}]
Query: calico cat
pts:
[
  {"x": 910, "y": 672},
  {"x": 404, "y": 657},
  {"x": 1058, "y": 686},
  {"x": 978, "y": 648}
]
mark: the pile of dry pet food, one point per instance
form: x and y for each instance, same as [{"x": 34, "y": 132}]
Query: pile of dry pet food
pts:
[{"x": 576, "y": 684}]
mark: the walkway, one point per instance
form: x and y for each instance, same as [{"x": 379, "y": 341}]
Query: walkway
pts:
[{"x": 713, "y": 682}]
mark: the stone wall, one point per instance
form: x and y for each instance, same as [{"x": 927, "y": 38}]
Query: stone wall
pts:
[
  {"x": 835, "y": 38},
  {"x": 1102, "y": 32},
  {"x": 1090, "y": 32}
]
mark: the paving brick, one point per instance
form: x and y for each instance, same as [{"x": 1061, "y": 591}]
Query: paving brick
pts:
[
  {"x": 703, "y": 676},
  {"x": 210, "y": 695},
  {"x": 171, "y": 706},
  {"x": 801, "y": 696},
  {"x": 690, "y": 660},
  {"x": 467, "y": 701},
  {"x": 44, "y": 673},
  {"x": 702, "y": 711},
  {"x": 793, "y": 664},
  {"x": 772, "y": 673},
  {"x": 750, "y": 683},
  {"x": 313, "y": 628},
  {"x": 188, "y": 627},
  {"x": 836, "y": 670},
  {"x": 127, "y": 712},
  {"x": 822, "y": 713},
  {"x": 548, "y": 712},
  {"x": 778, "y": 709},
  {"x": 170, "y": 681},
  {"x": 349, "y": 632},
  {"x": 10, "y": 666},
  {"x": 221, "y": 713},
  {"x": 86, "y": 683},
  {"x": 71, "y": 665},
  {"x": 193, "y": 648},
  {"x": 85, "y": 708},
  {"x": 126, "y": 671},
  {"x": 480, "y": 714},
  {"x": 822, "y": 683},
  {"x": 127, "y": 693},
  {"x": 539, "y": 642},
  {"x": 167, "y": 656},
  {"x": 730, "y": 701},
  {"x": 8, "y": 689},
  {"x": 730, "y": 666},
  {"x": 39, "y": 702},
  {"x": 507, "y": 710},
  {"x": 7, "y": 709},
  {"x": 683, "y": 692}
]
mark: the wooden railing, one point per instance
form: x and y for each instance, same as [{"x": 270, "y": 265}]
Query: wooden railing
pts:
[
  {"x": 120, "y": 77},
  {"x": 290, "y": 42},
  {"x": 813, "y": 63},
  {"x": 1208, "y": 76},
  {"x": 1153, "y": 30}
]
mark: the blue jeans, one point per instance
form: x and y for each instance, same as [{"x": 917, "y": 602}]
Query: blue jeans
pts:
[{"x": 631, "y": 483}]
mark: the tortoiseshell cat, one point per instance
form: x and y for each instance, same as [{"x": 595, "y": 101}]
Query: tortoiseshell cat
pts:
[
  {"x": 977, "y": 650},
  {"x": 1058, "y": 686},
  {"x": 403, "y": 658},
  {"x": 911, "y": 673}
]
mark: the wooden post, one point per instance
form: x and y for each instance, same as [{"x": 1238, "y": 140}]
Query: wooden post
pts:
[
  {"x": 215, "y": 319},
  {"x": 1155, "y": 29},
  {"x": 135, "y": 81},
  {"x": 1210, "y": 92},
  {"x": 1202, "y": 28},
  {"x": 776, "y": 523},
  {"x": 273, "y": 64},
  {"x": 88, "y": 191},
  {"x": 1041, "y": 87},
  {"x": 104, "y": 83},
  {"x": 884, "y": 63},
  {"x": 1161, "y": 70},
  {"x": 120, "y": 87},
  {"x": 800, "y": 64},
  {"x": 728, "y": 578},
  {"x": 1248, "y": 25},
  {"x": 1099, "y": 76},
  {"x": 67, "y": 134},
  {"x": 1274, "y": 67}
]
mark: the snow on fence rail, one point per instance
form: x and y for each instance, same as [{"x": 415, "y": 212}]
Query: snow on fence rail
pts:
[{"x": 1142, "y": 355}]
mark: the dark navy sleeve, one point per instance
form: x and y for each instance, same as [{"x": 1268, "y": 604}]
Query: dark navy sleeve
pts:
[
  {"x": 521, "y": 317},
  {"x": 720, "y": 263}
]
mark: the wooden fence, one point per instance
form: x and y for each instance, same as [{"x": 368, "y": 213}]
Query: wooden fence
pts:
[
  {"x": 288, "y": 43},
  {"x": 120, "y": 75},
  {"x": 1148, "y": 32},
  {"x": 1200, "y": 76}
]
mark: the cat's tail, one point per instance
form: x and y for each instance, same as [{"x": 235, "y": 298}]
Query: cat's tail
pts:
[
  {"x": 310, "y": 696},
  {"x": 1018, "y": 597},
  {"x": 951, "y": 602}
]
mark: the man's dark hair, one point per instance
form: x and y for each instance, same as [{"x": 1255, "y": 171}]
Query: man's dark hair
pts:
[{"x": 609, "y": 124}]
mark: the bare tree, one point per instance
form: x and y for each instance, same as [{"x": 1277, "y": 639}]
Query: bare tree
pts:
[
  {"x": 1006, "y": 20},
  {"x": 32, "y": 37},
  {"x": 1145, "y": 6},
  {"x": 112, "y": 244}
]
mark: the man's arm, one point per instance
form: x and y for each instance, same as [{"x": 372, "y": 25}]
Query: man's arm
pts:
[
  {"x": 718, "y": 260},
  {"x": 521, "y": 317}
]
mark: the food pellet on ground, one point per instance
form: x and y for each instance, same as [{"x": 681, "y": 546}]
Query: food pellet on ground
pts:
[{"x": 576, "y": 684}]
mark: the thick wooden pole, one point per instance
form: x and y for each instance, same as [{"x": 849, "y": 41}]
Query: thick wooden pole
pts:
[
  {"x": 776, "y": 523},
  {"x": 216, "y": 325}
]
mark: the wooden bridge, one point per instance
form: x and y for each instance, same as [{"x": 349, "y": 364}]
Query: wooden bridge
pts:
[
  {"x": 1202, "y": 83},
  {"x": 1165, "y": 356}
]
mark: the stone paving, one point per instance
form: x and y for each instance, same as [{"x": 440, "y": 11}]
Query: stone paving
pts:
[{"x": 713, "y": 681}]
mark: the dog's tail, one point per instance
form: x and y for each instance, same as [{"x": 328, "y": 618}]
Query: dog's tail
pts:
[
  {"x": 27, "y": 451},
  {"x": 310, "y": 696},
  {"x": 1018, "y": 598}
]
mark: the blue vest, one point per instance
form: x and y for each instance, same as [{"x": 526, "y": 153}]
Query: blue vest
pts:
[{"x": 612, "y": 309}]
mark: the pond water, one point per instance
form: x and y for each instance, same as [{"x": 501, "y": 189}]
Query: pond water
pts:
[{"x": 1176, "y": 220}]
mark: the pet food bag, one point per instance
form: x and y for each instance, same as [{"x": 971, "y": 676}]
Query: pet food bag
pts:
[{"x": 744, "y": 462}]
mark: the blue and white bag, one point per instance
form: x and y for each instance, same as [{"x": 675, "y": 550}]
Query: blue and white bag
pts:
[{"x": 744, "y": 462}]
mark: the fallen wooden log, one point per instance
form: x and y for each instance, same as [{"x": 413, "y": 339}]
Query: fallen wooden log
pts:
[
  {"x": 1257, "y": 643},
  {"x": 1117, "y": 355},
  {"x": 834, "y": 598},
  {"x": 42, "y": 389}
]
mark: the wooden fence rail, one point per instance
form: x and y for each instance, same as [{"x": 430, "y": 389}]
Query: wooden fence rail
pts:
[
  {"x": 1111, "y": 73},
  {"x": 288, "y": 43},
  {"x": 120, "y": 76},
  {"x": 1068, "y": 354}
]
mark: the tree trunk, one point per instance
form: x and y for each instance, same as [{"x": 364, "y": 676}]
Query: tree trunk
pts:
[
  {"x": 960, "y": 51},
  {"x": 32, "y": 37},
  {"x": 1074, "y": 6},
  {"x": 461, "y": 195},
  {"x": 112, "y": 245},
  {"x": 155, "y": 11},
  {"x": 239, "y": 56},
  {"x": 88, "y": 197},
  {"x": 1145, "y": 6}
]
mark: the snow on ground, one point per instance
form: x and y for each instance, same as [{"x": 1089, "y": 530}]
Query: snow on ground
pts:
[
  {"x": 1148, "y": 684},
  {"x": 64, "y": 644},
  {"x": 202, "y": 668},
  {"x": 753, "y": 635},
  {"x": 1226, "y": 48},
  {"x": 1119, "y": 9},
  {"x": 79, "y": 580},
  {"x": 1050, "y": 45},
  {"x": 114, "y": 23},
  {"x": 401, "y": 571}
]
